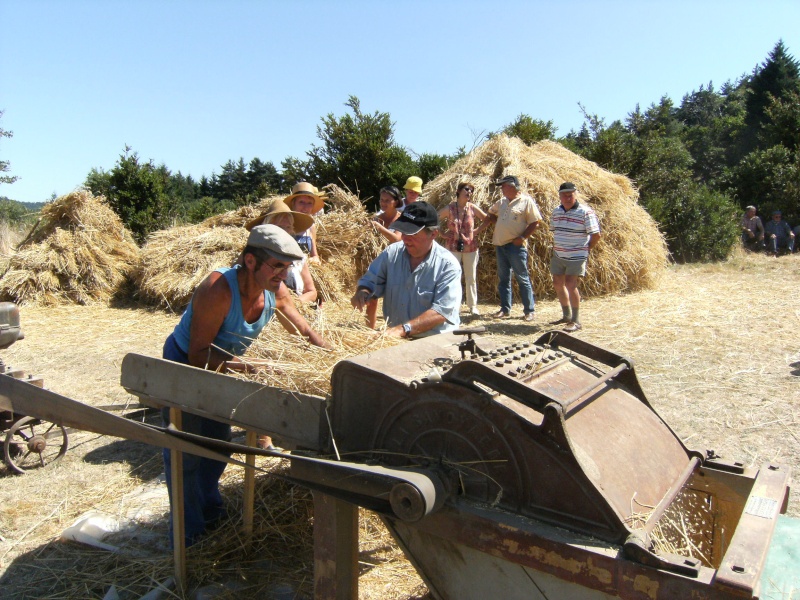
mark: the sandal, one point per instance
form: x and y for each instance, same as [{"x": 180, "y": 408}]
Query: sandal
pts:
[{"x": 572, "y": 326}]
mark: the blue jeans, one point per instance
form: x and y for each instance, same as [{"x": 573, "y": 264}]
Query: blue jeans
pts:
[
  {"x": 511, "y": 257},
  {"x": 202, "y": 501}
]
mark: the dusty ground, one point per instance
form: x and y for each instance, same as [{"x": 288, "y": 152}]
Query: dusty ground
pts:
[{"x": 716, "y": 348}]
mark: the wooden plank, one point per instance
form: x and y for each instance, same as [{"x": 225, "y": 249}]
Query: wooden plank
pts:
[
  {"x": 335, "y": 549},
  {"x": 178, "y": 521},
  {"x": 249, "y": 491},
  {"x": 292, "y": 417}
]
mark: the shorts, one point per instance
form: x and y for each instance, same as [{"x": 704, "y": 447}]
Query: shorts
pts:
[{"x": 560, "y": 266}]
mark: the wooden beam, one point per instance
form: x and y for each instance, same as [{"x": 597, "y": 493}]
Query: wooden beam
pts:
[
  {"x": 292, "y": 417},
  {"x": 335, "y": 548}
]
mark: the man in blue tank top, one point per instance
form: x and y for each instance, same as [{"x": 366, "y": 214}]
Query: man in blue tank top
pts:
[{"x": 227, "y": 312}]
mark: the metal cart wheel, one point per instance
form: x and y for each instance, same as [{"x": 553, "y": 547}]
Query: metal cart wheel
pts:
[{"x": 32, "y": 443}]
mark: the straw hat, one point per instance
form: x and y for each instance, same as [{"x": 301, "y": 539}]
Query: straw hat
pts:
[
  {"x": 302, "y": 221},
  {"x": 306, "y": 189}
]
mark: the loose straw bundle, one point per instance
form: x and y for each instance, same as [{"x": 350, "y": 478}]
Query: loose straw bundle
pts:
[
  {"x": 632, "y": 254},
  {"x": 79, "y": 252},
  {"x": 347, "y": 244},
  {"x": 296, "y": 365}
]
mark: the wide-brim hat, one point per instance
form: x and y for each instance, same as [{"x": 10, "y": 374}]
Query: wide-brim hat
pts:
[
  {"x": 302, "y": 221},
  {"x": 306, "y": 189}
]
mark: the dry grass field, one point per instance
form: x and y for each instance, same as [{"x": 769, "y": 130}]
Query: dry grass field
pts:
[{"x": 716, "y": 347}]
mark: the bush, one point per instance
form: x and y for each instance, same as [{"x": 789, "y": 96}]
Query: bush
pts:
[{"x": 699, "y": 224}]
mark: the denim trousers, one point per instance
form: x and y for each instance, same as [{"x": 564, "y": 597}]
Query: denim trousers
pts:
[
  {"x": 202, "y": 501},
  {"x": 511, "y": 257}
]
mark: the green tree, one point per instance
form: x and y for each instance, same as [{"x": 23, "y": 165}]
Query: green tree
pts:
[
  {"x": 775, "y": 79},
  {"x": 136, "y": 191},
  {"x": 4, "y": 165},
  {"x": 530, "y": 130},
  {"x": 699, "y": 224},
  {"x": 357, "y": 150},
  {"x": 769, "y": 179}
]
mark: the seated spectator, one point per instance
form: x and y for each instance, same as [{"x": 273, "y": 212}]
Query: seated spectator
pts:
[
  {"x": 298, "y": 277},
  {"x": 778, "y": 234},
  {"x": 752, "y": 230},
  {"x": 419, "y": 281}
]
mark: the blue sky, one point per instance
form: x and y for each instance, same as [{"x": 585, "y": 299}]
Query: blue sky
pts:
[{"x": 194, "y": 84}]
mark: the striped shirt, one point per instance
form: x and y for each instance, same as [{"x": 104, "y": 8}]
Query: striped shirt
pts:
[{"x": 571, "y": 231}]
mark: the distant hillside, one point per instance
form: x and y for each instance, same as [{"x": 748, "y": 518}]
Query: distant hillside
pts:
[{"x": 13, "y": 211}]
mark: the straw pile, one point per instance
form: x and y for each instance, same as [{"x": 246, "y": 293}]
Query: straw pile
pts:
[
  {"x": 346, "y": 243},
  {"x": 79, "y": 252},
  {"x": 632, "y": 254},
  {"x": 175, "y": 261},
  {"x": 296, "y": 365}
]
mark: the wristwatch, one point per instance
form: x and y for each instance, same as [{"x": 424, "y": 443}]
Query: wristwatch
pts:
[{"x": 406, "y": 329}]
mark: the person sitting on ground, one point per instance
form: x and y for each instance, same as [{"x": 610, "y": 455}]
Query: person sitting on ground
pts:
[
  {"x": 227, "y": 312},
  {"x": 778, "y": 234},
  {"x": 419, "y": 281},
  {"x": 298, "y": 277},
  {"x": 306, "y": 198},
  {"x": 413, "y": 189},
  {"x": 752, "y": 230},
  {"x": 576, "y": 231},
  {"x": 459, "y": 217},
  {"x": 390, "y": 201}
]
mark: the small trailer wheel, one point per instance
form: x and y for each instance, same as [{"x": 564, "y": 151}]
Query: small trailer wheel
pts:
[{"x": 33, "y": 443}]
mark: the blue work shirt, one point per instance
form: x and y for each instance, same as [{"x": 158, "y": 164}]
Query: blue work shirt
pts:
[{"x": 434, "y": 284}]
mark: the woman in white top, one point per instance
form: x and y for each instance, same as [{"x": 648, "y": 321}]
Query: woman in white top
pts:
[{"x": 298, "y": 278}]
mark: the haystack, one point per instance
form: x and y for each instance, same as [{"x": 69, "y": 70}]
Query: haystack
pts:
[
  {"x": 347, "y": 244},
  {"x": 79, "y": 252},
  {"x": 632, "y": 254},
  {"x": 175, "y": 261}
]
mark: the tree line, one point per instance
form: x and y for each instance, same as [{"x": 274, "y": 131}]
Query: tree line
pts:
[{"x": 697, "y": 164}]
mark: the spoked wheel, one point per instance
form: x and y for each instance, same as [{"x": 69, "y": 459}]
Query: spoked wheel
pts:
[{"x": 32, "y": 443}]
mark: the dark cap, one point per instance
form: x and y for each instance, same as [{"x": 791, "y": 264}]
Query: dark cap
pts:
[
  {"x": 776, "y": 212},
  {"x": 567, "y": 186},
  {"x": 508, "y": 179},
  {"x": 415, "y": 217},
  {"x": 275, "y": 242}
]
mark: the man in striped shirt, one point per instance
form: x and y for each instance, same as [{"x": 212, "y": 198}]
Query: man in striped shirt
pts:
[{"x": 575, "y": 232}]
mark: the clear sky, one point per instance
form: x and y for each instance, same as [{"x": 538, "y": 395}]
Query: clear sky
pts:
[{"x": 195, "y": 84}]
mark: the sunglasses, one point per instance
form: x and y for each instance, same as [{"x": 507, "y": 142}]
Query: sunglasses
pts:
[
  {"x": 469, "y": 190},
  {"x": 276, "y": 269}
]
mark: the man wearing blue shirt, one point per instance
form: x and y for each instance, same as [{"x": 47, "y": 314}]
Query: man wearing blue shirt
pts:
[{"x": 419, "y": 280}]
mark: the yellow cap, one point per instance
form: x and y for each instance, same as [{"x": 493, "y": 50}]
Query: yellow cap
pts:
[{"x": 414, "y": 184}]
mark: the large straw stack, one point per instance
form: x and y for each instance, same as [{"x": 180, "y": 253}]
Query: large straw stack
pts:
[
  {"x": 79, "y": 252},
  {"x": 347, "y": 244},
  {"x": 632, "y": 254},
  {"x": 175, "y": 261}
]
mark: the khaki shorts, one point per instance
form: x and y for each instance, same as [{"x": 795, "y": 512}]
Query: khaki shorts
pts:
[{"x": 559, "y": 266}]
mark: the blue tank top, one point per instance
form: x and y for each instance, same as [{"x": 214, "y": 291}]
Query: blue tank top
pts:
[
  {"x": 235, "y": 335},
  {"x": 304, "y": 241}
]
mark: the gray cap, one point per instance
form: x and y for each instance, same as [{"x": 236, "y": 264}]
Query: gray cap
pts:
[
  {"x": 276, "y": 242},
  {"x": 510, "y": 179}
]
